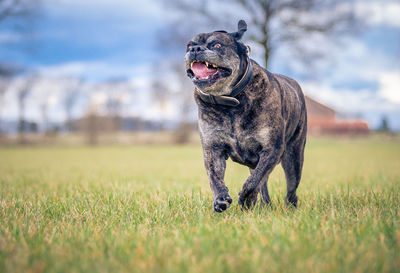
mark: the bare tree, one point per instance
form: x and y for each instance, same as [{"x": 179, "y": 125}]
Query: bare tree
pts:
[
  {"x": 70, "y": 98},
  {"x": 160, "y": 92},
  {"x": 186, "y": 103},
  {"x": 48, "y": 100},
  {"x": 184, "y": 88},
  {"x": 113, "y": 106},
  {"x": 90, "y": 122},
  {"x": 92, "y": 128},
  {"x": 44, "y": 106},
  {"x": 3, "y": 89},
  {"x": 117, "y": 91},
  {"x": 273, "y": 23},
  {"x": 22, "y": 94},
  {"x": 6, "y": 75}
]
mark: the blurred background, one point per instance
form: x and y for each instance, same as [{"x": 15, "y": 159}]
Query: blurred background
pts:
[{"x": 106, "y": 72}]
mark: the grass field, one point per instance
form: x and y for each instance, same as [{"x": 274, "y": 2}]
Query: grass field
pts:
[{"x": 149, "y": 209}]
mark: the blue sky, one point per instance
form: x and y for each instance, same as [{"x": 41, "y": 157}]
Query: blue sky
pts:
[
  {"x": 105, "y": 39},
  {"x": 96, "y": 31}
]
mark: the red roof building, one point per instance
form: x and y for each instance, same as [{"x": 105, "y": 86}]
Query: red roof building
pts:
[{"x": 322, "y": 120}]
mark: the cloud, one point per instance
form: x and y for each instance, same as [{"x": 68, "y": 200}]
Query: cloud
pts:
[
  {"x": 96, "y": 70},
  {"x": 369, "y": 103},
  {"x": 9, "y": 37},
  {"x": 344, "y": 100},
  {"x": 390, "y": 87},
  {"x": 379, "y": 12},
  {"x": 98, "y": 8}
]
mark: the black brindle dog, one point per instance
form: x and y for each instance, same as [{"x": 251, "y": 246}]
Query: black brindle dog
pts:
[{"x": 256, "y": 118}]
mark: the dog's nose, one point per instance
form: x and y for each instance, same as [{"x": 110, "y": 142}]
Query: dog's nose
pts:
[{"x": 197, "y": 48}]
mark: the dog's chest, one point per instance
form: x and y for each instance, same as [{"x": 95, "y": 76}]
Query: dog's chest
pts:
[
  {"x": 243, "y": 148},
  {"x": 242, "y": 143}
]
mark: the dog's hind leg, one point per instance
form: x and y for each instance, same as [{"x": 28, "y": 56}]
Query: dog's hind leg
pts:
[
  {"x": 265, "y": 199},
  {"x": 252, "y": 199},
  {"x": 292, "y": 163},
  {"x": 268, "y": 160}
]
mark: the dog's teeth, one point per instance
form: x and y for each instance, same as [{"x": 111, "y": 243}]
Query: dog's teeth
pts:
[
  {"x": 214, "y": 66},
  {"x": 207, "y": 64}
]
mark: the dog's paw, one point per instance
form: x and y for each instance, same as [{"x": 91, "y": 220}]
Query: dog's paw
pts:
[
  {"x": 291, "y": 200},
  {"x": 222, "y": 202},
  {"x": 247, "y": 199}
]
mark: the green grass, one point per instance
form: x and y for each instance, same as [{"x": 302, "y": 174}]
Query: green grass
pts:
[{"x": 149, "y": 209}]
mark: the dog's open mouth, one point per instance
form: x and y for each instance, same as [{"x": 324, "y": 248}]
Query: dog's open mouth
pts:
[{"x": 207, "y": 72}]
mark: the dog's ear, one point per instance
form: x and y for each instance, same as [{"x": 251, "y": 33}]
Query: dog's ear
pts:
[{"x": 242, "y": 27}]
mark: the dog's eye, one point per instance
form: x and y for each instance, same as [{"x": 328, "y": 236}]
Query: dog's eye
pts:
[{"x": 217, "y": 45}]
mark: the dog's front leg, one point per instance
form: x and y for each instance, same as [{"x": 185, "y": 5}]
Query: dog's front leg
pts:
[
  {"x": 266, "y": 163},
  {"x": 215, "y": 163}
]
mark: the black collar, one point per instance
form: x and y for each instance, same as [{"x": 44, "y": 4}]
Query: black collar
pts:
[{"x": 230, "y": 100}]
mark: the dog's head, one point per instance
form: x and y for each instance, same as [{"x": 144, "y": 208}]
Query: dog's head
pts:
[{"x": 215, "y": 61}]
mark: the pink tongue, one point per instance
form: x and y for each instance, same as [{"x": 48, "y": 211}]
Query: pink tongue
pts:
[{"x": 201, "y": 71}]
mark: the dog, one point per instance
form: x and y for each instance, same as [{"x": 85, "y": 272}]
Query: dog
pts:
[{"x": 246, "y": 113}]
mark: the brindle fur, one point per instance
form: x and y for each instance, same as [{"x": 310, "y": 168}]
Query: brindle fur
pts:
[{"x": 267, "y": 128}]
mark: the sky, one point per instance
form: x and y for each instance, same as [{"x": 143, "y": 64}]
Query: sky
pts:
[
  {"x": 70, "y": 34},
  {"x": 98, "y": 40}
]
